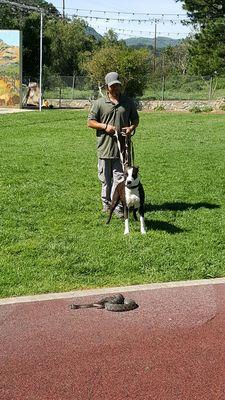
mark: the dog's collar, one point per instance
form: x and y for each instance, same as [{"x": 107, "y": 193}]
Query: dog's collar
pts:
[{"x": 132, "y": 187}]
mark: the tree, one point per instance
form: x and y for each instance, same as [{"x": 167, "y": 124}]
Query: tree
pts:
[
  {"x": 109, "y": 39},
  {"x": 68, "y": 41},
  {"x": 133, "y": 67},
  {"x": 174, "y": 59},
  {"x": 207, "y": 49},
  {"x": 12, "y": 17},
  {"x": 63, "y": 40},
  {"x": 201, "y": 12}
]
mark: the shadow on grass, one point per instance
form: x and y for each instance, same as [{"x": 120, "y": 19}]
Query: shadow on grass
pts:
[
  {"x": 176, "y": 206},
  {"x": 156, "y": 225},
  {"x": 179, "y": 206}
]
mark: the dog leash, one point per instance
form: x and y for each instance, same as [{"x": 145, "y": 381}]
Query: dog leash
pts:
[
  {"x": 129, "y": 158},
  {"x": 119, "y": 147}
]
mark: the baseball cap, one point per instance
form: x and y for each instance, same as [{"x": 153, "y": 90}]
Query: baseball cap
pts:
[{"x": 111, "y": 78}]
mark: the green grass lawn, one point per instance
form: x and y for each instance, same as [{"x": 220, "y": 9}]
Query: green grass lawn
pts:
[{"x": 52, "y": 233}]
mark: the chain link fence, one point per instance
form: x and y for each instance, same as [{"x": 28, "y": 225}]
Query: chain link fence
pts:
[
  {"x": 69, "y": 87},
  {"x": 68, "y": 91},
  {"x": 60, "y": 91},
  {"x": 185, "y": 87}
]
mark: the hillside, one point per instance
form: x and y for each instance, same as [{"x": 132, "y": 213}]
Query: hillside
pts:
[
  {"x": 91, "y": 31},
  {"x": 137, "y": 42},
  {"x": 161, "y": 42}
]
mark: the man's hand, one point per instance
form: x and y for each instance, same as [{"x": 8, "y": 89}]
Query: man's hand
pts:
[
  {"x": 110, "y": 129},
  {"x": 127, "y": 130}
]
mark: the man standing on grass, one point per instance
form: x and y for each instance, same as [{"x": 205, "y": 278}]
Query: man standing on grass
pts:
[{"x": 108, "y": 115}]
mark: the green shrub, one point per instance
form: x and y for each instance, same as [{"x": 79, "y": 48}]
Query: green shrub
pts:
[
  {"x": 198, "y": 109},
  {"x": 195, "y": 109},
  {"x": 207, "y": 109},
  {"x": 159, "y": 108},
  {"x": 222, "y": 107}
]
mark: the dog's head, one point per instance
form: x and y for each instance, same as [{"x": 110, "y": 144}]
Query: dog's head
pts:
[{"x": 131, "y": 176}]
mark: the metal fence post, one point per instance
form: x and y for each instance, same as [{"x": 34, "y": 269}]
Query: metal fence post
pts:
[
  {"x": 73, "y": 86},
  {"x": 163, "y": 87},
  {"x": 60, "y": 97},
  {"x": 41, "y": 60},
  {"x": 210, "y": 88}
]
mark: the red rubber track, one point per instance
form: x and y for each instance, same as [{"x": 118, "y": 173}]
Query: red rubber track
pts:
[{"x": 172, "y": 347}]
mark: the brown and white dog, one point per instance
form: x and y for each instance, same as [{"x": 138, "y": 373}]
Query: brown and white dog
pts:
[{"x": 131, "y": 194}]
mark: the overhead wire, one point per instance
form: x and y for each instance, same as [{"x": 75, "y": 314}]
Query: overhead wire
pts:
[{"x": 152, "y": 18}]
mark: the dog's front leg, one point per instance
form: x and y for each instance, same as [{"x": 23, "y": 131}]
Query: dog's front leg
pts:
[
  {"x": 126, "y": 220},
  {"x": 142, "y": 221},
  {"x": 143, "y": 229}
]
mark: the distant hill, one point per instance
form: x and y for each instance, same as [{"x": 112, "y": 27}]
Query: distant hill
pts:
[
  {"x": 137, "y": 42},
  {"x": 161, "y": 42},
  {"x": 91, "y": 31}
]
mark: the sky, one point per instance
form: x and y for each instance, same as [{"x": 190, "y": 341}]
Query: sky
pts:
[
  {"x": 10, "y": 37},
  {"x": 129, "y": 18}
]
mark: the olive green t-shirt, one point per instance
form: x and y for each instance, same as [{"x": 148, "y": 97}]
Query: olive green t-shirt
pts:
[{"x": 120, "y": 115}]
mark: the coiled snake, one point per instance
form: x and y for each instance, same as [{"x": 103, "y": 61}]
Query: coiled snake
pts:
[{"x": 115, "y": 303}]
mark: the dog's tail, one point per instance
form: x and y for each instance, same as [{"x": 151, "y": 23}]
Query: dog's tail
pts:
[
  {"x": 110, "y": 216},
  {"x": 112, "y": 208}
]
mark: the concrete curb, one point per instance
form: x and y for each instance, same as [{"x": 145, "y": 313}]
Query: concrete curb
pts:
[
  {"x": 14, "y": 110},
  {"x": 103, "y": 291}
]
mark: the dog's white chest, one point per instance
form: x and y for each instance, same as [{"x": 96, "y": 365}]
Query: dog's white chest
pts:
[{"x": 132, "y": 197}]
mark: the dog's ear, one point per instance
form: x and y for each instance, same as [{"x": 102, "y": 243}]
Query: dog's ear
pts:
[{"x": 137, "y": 166}]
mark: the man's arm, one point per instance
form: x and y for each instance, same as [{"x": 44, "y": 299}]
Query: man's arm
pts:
[
  {"x": 128, "y": 130},
  {"x": 92, "y": 123}
]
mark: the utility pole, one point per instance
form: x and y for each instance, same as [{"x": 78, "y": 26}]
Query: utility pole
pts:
[
  {"x": 63, "y": 8},
  {"x": 154, "y": 62}
]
